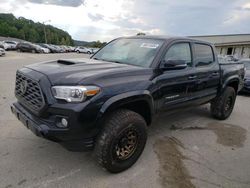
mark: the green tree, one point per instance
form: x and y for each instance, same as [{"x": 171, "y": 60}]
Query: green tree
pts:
[
  {"x": 21, "y": 34},
  {"x": 140, "y": 33},
  {"x": 22, "y": 28},
  {"x": 63, "y": 41}
]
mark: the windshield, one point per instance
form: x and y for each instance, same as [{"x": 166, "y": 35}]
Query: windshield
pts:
[
  {"x": 139, "y": 52},
  {"x": 9, "y": 42}
]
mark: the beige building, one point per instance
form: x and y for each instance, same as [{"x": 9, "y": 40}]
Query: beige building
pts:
[{"x": 237, "y": 45}]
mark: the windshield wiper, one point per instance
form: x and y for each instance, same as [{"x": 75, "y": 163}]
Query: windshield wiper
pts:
[
  {"x": 97, "y": 59},
  {"x": 113, "y": 61}
]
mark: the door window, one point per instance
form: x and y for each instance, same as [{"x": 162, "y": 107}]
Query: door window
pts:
[
  {"x": 179, "y": 51},
  {"x": 204, "y": 54}
]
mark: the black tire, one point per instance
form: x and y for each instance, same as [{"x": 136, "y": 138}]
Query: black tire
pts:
[
  {"x": 88, "y": 52},
  {"x": 78, "y": 51},
  {"x": 112, "y": 137},
  {"x": 33, "y": 51},
  {"x": 222, "y": 106}
]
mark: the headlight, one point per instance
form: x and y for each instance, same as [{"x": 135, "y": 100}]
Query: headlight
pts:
[{"x": 74, "y": 93}]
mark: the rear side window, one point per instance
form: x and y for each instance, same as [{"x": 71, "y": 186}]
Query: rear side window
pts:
[{"x": 204, "y": 54}]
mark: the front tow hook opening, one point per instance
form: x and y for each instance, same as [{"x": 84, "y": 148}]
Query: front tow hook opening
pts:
[
  {"x": 18, "y": 116},
  {"x": 42, "y": 134},
  {"x": 27, "y": 123}
]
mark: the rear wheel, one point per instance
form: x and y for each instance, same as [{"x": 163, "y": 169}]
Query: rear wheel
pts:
[
  {"x": 122, "y": 141},
  {"x": 222, "y": 106},
  {"x": 33, "y": 51}
]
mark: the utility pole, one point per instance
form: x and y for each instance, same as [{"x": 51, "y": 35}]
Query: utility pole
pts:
[{"x": 45, "y": 36}]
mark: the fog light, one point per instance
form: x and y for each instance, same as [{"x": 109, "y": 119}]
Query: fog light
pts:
[{"x": 64, "y": 122}]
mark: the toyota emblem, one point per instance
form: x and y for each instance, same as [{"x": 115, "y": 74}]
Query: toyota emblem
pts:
[{"x": 23, "y": 86}]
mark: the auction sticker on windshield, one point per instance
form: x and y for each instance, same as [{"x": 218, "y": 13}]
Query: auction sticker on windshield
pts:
[{"x": 149, "y": 45}]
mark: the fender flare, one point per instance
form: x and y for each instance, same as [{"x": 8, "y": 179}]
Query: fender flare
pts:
[
  {"x": 125, "y": 98},
  {"x": 229, "y": 80},
  {"x": 129, "y": 97}
]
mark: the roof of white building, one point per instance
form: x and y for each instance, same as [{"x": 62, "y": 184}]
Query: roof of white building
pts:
[{"x": 232, "y": 39}]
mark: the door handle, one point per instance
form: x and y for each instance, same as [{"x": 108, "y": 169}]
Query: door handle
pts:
[
  {"x": 192, "y": 77},
  {"x": 215, "y": 74}
]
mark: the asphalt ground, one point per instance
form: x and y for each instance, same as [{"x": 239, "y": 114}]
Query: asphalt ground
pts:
[{"x": 186, "y": 148}]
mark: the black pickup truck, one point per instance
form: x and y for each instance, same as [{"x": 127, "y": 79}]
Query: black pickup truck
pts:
[{"x": 106, "y": 102}]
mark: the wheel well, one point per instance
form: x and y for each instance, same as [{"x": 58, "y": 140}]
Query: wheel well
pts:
[
  {"x": 234, "y": 84},
  {"x": 141, "y": 107}
]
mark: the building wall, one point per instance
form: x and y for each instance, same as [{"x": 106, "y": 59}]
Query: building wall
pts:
[
  {"x": 218, "y": 39},
  {"x": 237, "y": 45},
  {"x": 239, "y": 51}
]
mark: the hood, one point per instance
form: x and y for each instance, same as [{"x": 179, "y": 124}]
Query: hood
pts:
[{"x": 77, "y": 71}]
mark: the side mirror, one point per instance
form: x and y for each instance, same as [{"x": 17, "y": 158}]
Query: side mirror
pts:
[{"x": 173, "y": 64}]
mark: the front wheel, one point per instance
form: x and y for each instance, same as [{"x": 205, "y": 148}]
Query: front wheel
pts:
[
  {"x": 122, "y": 141},
  {"x": 222, "y": 106}
]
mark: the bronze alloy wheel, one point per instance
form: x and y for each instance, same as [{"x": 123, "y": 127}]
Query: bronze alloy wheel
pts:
[
  {"x": 122, "y": 140},
  {"x": 125, "y": 144},
  {"x": 222, "y": 106},
  {"x": 228, "y": 104}
]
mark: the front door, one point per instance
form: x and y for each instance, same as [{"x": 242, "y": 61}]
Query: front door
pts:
[{"x": 173, "y": 85}]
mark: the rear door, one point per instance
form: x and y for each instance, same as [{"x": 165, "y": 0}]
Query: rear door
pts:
[
  {"x": 173, "y": 85},
  {"x": 207, "y": 72},
  {"x": 24, "y": 47}
]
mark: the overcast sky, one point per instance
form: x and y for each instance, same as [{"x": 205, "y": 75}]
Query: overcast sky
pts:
[{"x": 106, "y": 19}]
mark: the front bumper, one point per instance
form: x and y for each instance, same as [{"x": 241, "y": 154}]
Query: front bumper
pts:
[{"x": 48, "y": 130}]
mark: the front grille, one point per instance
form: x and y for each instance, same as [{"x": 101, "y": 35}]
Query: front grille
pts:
[{"x": 28, "y": 92}]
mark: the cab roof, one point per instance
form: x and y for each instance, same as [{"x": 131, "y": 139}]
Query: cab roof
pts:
[{"x": 167, "y": 38}]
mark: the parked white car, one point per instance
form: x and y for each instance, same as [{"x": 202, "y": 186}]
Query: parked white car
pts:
[
  {"x": 46, "y": 50},
  {"x": 42, "y": 49},
  {"x": 4, "y": 45},
  {"x": 2, "y": 52},
  {"x": 81, "y": 49},
  {"x": 11, "y": 45},
  {"x": 94, "y": 50}
]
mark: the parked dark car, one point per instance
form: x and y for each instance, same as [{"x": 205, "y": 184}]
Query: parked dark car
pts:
[
  {"x": 108, "y": 101},
  {"x": 58, "y": 48},
  {"x": 246, "y": 87},
  {"x": 28, "y": 47},
  {"x": 53, "y": 48},
  {"x": 50, "y": 47}
]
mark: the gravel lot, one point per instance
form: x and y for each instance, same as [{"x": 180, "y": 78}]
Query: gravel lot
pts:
[{"x": 185, "y": 148}]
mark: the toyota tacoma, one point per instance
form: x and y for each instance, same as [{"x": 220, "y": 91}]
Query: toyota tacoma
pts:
[{"x": 107, "y": 102}]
